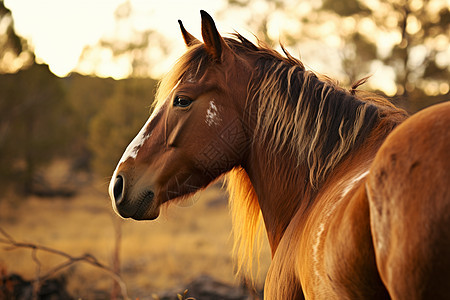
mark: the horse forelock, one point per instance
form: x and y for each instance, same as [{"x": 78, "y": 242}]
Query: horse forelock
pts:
[{"x": 189, "y": 67}]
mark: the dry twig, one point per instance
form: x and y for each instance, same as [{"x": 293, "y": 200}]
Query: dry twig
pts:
[{"x": 7, "y": 239}]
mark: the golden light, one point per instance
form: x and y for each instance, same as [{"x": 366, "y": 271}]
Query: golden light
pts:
[
  {"x": 413, "y": 25},
  {"x": 58, "y": 30},
  {"x": 444, "y": 88}
]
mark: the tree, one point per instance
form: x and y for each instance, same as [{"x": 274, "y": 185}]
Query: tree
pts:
[
  {"x": 408, "y": 37},
  {"x": 132, "y": 48},
  {"x": 43, "y": 117},
  {"x": 419, "y": 40},
  {"x": 14, "y": 51},
  {"x": 33, "y": 123},
  {"x": 123, "y": 114},
  {"x": 33, "y": 111},
  {"x": 87, "y": 97}
]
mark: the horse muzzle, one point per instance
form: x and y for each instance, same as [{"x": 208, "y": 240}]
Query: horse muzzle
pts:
[{"x": 138, "y": 206}]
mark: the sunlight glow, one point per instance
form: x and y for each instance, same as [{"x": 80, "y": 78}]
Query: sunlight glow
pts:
[
  {"x": 413, "y": 25},
  {"x": 383, "y": 78},
  {"x": 103, "y": 64},
  {"x": 386, "y": 41},
  {"x": 59, "y": 29}
]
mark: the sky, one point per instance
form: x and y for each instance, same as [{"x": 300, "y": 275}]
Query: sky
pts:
[{"x": 59, "y": 30}]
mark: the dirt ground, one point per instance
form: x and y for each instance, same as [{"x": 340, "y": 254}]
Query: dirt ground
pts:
[{"x": 155, "y": 256}]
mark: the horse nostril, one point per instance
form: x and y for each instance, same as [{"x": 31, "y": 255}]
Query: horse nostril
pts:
[{"x": 118, "y": 189}]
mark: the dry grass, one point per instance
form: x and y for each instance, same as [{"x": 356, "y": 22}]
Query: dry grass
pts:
[{"x": 155, "y": 256}]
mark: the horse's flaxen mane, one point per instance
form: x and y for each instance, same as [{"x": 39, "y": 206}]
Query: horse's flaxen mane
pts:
[{"x": 305, "y": 116}]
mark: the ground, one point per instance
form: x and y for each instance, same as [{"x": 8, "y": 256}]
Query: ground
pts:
[{"x": 155, "y": 256}]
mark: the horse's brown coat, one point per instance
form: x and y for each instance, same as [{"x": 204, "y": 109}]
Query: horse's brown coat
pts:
[
  {"x": 353, "y": 208},
  {"x": 409, "y": 196}
]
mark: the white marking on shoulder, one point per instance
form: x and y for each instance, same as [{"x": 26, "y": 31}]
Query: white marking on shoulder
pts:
[
  {"x": 316, "y": 247},
  {"x": 319, "y": 238},
  {"x": 212, "y": 114},
  {"x": 349, "y": 185}
]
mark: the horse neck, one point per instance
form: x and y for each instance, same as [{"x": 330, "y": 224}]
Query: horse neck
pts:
[
  {"x": 282, "y": 190},
  {"x": 283, "y": 183}
]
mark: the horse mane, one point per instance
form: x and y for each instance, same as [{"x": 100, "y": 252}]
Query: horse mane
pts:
[
  {"x": 308, "y": 116},
  {"x": 246, "y": 221},
  {"x": 305, "y": 116}
]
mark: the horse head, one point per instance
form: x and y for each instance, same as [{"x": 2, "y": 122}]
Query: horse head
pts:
[{"x": 194, "y": 134}]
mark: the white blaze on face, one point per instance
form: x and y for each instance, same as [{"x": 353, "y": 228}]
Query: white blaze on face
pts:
[
  {"x": 212, "y": 114},
  {"x": 133, "y": 148}
]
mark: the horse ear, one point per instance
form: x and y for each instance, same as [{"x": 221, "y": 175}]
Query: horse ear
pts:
[
  {"x": 189, "y": 39},
  {"x": 214, "y": 43}
]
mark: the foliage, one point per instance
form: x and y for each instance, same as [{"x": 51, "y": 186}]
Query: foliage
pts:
[
  {"x": 33, "y": 110},
  {"x": 135, "y": 48},
  {"x": 119, "y": 120},
  {"x": 87, "y": 97},
  {"x": 14, "y": 51},
  {"x": 92, "y": 120},
  {"x": 88, "y": 119},
  {"x": 408, "y": 37},
  {"x": 33, "y": 123},
  {"x": 419, "y": 28}
]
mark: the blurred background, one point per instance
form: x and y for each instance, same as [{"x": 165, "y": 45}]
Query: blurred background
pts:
[{"x": 77, "y": 79}]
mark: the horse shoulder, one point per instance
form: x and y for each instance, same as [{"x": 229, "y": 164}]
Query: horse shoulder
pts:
[
  {"x": 409, "y": 197},
  {"x": 329, "y": 254},
  {"x": 349, "y": 266}
]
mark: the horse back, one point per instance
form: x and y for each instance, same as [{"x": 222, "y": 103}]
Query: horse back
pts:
[{"x": 409, "y": 198}]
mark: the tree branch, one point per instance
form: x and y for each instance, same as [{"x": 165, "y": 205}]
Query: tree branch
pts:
[{"x": 8, "y": 240}]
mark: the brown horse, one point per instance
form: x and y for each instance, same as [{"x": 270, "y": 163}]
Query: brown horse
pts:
[{"x": 355, "y": 205}]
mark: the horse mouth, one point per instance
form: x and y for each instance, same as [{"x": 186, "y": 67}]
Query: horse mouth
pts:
[{"x": 139, "y": 208}]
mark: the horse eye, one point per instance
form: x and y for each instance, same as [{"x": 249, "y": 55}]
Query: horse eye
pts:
[{"x": 181, "y": 101}]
